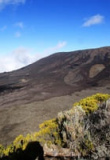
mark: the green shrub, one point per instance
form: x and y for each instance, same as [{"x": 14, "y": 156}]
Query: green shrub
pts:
[
  {"x": 90, "y": 104},
  {"x": 48, "y": 133}
]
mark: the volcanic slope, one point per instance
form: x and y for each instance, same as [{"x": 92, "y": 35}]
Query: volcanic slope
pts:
[{"x": 37, "y": 92}]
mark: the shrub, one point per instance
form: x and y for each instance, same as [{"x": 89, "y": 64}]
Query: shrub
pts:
[
  {"x": 48, "y": 133},
  {"x": 90, "y": 104},
  {"x": 101, "y": 97}
]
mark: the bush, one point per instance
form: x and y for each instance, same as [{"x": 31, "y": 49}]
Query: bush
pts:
[{"x": 90, "y": 104}]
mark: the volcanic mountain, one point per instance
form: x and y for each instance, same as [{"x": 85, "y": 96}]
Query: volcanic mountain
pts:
[{"x": 40, "y": 90}]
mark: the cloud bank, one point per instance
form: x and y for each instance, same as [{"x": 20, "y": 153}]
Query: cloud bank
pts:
[
  {"x": 17, "y": 59},
  {"x": 96, "y": 19},
  {"x": 21, "y": 57}
]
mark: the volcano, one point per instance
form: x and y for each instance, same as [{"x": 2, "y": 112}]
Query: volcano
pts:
[{"x": 40, "y": 90}]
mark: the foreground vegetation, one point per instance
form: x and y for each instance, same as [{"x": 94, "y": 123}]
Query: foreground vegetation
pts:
[{"x": 74, "y": 129}]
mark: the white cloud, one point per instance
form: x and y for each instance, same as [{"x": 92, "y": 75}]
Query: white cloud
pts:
[
  {"x": 96, "y": 19},
  {"x": 55, "y": 48},
  {"x": 20, "y": 25},
  {"x": 18, "y": 34},
  {"x": 21, "y": 57},
  {"x": 4, "y": 3},
  {"x": 3, "y": 28}
]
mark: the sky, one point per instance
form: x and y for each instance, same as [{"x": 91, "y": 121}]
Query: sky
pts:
[{"x": 33, "y": 29}]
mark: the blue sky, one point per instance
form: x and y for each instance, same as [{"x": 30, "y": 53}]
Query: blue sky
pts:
[{"x": 32, "y": 29}]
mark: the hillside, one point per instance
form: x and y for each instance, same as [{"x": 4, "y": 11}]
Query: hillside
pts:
[
  {"x": 32, "y": 94},
  {"x": 57, "y": 75}
]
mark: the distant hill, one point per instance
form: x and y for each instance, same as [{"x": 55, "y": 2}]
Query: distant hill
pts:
[{"x": 48, "y": 86}]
